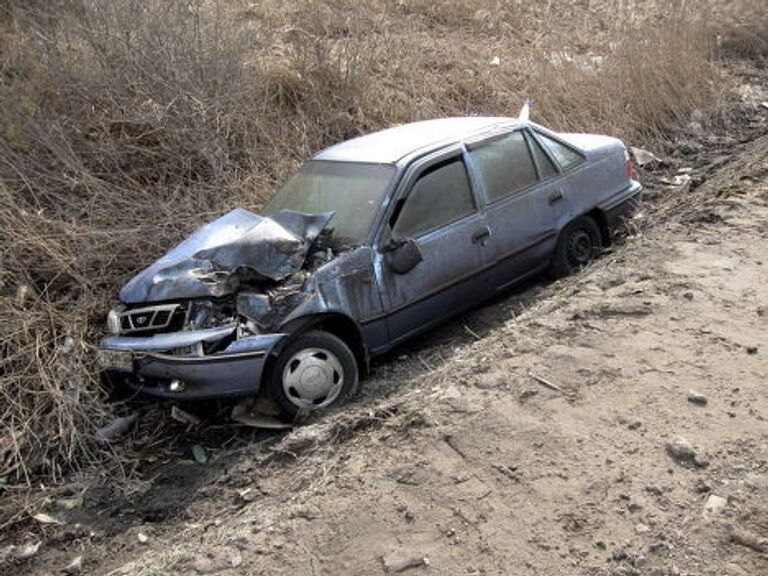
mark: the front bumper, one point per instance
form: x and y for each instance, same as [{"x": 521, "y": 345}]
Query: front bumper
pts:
[{"x": 151, "y": 364}]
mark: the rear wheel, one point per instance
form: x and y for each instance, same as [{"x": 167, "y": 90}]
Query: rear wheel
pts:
[
  {"x": 314, "y": 371},
  {"x": 578, "y": 244}
]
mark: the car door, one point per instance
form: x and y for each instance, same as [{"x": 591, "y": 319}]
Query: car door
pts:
[
  {"x": 574, "y": 181},
  {"x": 522, "y": 192},
  {"x": 437, "y": 209}
]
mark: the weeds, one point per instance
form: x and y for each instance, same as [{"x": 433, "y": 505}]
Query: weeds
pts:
[{"x": 125, "y": 125}]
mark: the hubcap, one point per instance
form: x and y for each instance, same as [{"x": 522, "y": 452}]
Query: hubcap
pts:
[
  {"x": 313, "y": 378},
  {"x": 580, "y": 248}
]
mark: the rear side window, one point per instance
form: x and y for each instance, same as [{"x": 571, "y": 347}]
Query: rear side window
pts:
[
  {"x": 440, "y": 196},
  {"x": 543, "y": 163},
  {"x": 564, "y": 155},
  {"x": 505, "y": 165}
]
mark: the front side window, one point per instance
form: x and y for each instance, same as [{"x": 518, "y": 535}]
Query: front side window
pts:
[
  {"x": 440, "y": 196},
  {"x": 564, "y": 155},
  {"x": 354, "y": 191},
  {"x": 505, "y": 165}
]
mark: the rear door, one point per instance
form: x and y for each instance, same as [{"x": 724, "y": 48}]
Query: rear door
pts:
[
  {"x": 436, "y": 207},
  {"x": 522, "y": 192},
  {"x": 577, "y": 182}
]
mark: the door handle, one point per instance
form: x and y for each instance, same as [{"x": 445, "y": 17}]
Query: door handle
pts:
[
  {"x": 555, "y": 196},
  {"x": 480, "y": 236}
]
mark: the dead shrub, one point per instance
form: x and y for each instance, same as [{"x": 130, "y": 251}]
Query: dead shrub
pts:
[
  {"x": 126, "y": 125},
  {"x": 641, "y": 89}
]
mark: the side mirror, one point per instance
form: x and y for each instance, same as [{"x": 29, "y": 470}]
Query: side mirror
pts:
[{"x": 403, "y": 256}]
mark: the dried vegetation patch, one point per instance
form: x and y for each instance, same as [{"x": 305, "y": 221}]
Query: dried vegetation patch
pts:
[{"x": 125, "y": 125}]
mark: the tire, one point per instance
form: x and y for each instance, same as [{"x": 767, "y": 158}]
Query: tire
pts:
[
  {"x": 579, "y": 242},
  {"x": 314, "y": 371}
]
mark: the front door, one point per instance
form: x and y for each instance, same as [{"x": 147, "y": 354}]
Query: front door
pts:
[{"x": 436, "y": 208}]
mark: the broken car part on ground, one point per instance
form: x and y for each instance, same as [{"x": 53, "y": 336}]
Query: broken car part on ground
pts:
[{"x": 373, "y": 241}]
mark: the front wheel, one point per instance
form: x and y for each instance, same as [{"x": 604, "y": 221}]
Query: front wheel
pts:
[
  {"x": 578, "y": 243},
  {"x": 314, "y": 371}
]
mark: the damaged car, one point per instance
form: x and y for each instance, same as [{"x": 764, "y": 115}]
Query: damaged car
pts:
[{"x": 371, "y": 242}]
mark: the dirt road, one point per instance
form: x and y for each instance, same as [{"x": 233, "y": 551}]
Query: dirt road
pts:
[{"x": 537, "y": 446}]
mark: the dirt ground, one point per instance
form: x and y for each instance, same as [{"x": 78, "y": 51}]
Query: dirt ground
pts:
[{"x": 532, "y": 437}]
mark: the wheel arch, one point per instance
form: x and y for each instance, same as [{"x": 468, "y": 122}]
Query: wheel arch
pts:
[
  {"x": 336, "y": 323},
  {"x": 602, "y": 223}
]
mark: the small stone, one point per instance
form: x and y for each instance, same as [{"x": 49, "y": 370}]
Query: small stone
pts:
[
  {"x": 642, "y": 529},
  {"x": 702, "y": 487},
  {"x": 715, "y": 504},
  {"x": 751, "y": 350},
  {"x": 696, "y": 128},
  {"x": 235, "y": 558},
  {"x": 697, "y": 398},
  {"x": 654, "y": 489},
  {"x": 203, "y": 565},
  {"x": 688, "y": 296},
  {"x": 142, "y": 538},
  {"x": 307, "y": 513},
  {"x": 398, "y": 561},
  {"x": 681, "y": 450},
  {"x": 618, "y": 555}
]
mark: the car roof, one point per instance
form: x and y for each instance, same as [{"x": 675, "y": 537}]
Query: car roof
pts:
[{"x": 393, "y": 144}]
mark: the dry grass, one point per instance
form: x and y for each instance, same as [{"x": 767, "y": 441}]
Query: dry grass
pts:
[{"x": 125, "y": 125}]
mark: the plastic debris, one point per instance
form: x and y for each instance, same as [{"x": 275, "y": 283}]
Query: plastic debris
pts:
[
  {"x": 115, "y": 428},
  {"x": 257, "y": 415},
  {"x": 199, "y": 454},
  {"x": 644, "y": 157},
  {"x": 183, "y": 416}
]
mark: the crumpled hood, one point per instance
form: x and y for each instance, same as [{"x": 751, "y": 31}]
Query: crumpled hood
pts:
[{"x": 209, "y": 262}]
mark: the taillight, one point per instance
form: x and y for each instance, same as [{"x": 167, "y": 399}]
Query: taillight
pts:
[{"x": 628, "y": 166}]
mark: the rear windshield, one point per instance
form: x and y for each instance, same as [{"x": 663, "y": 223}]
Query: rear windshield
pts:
[{"x": 353, "y": 190}]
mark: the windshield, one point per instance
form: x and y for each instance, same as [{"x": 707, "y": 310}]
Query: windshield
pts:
[{"x": 352, "y": 190}]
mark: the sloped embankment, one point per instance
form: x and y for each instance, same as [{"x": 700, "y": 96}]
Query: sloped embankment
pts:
[{"x": 539, "y": 446}]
